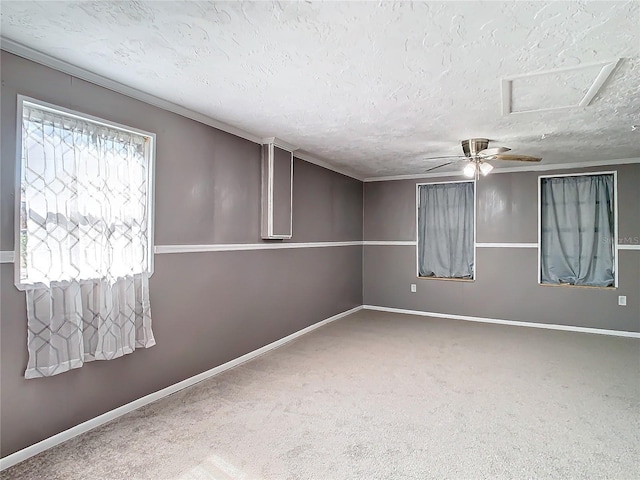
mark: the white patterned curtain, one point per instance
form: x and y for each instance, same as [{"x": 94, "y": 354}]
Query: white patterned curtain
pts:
[{"x": 84, "y": 240}]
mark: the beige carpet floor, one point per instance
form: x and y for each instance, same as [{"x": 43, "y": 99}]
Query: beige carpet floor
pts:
[{"x": 385, "y": 396}]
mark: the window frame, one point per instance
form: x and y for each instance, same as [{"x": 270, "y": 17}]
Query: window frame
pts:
[
  {"x": 615, "y": 228},
  {"x": 475, "y": 230},
  {"x": 150, "y": 154}
]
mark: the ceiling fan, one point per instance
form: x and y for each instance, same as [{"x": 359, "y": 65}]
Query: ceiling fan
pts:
[{"x": 477, "y": 154}]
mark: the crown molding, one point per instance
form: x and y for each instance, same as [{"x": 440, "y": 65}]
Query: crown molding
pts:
[
  {"x": 323, "y": 163},
  {"x": 415, "y": 176},
  {"x": 279, "y": 143},
  {"x": 530, "y": 168},
  {"x": 48, "y": 61},
  {"x": 36, "y": 56}
]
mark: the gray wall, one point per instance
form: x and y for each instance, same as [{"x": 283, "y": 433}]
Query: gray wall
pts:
[
  {"x": 506, "y": 278},
  {"x": 208, "y": 308}
]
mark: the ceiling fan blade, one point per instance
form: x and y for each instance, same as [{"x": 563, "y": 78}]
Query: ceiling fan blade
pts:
[
  {"x": 445, "y": 156},
  {"x": 488, "y": 152},
  {"x": 443, "y": 165},
  {"x": 516, "y": 158}
]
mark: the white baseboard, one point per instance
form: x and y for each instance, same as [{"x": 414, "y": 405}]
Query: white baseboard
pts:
[
  {"x": 548, "y": 326},
  {"x": 47, "y": 443}
]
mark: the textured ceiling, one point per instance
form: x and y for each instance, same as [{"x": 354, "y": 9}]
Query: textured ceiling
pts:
[{"x": 372, "y": 87}]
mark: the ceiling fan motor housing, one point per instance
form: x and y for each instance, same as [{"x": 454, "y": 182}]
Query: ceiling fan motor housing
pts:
[{"x": 473, "y": 146}]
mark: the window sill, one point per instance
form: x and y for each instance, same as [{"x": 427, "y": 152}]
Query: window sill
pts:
[
  {"x": 565, "y": 285},
  {"x": 470, "y": 280}
]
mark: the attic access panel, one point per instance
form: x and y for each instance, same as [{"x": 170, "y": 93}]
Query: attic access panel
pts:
[{"x": 555, "y": 89}]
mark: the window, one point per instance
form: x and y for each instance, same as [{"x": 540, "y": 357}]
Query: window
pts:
[
  {"x": 446, "y": 230},
  {"x": 84, "y": 237},
  {"x": 578, "y": 230}
]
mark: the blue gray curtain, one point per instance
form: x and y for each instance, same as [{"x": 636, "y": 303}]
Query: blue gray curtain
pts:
[
  {"x": 577, "y": 230},
  {"x": 445, "y": 230}
]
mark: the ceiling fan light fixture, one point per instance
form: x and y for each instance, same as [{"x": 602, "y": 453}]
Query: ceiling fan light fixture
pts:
[
  {"x": 470, "y": 170},
  {"x": 485, "y": 168}
]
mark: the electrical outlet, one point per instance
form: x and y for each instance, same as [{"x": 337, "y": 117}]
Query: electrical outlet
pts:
[
  {"x": 413, "y": 288},
  {"x": 622, "y": 300}
]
